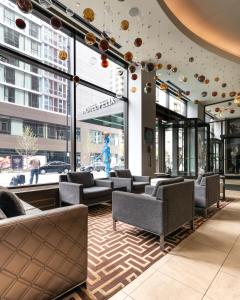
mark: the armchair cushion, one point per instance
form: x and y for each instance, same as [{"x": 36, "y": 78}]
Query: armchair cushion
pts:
[
  {"x": 123, "y": 173},
  {"x": 10, "y": 204},
  {"x": 149, "y": 189},
  {"x": 104, "y": 183},
  {"x": 2, "y": 215},
  {"x": 84, "y": 178},
  {"x": 165, "y": 182},
  {"x": 96, "y": 192}
]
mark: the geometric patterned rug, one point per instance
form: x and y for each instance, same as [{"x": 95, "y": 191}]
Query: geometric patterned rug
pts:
[{"x": 117, "y": 258}]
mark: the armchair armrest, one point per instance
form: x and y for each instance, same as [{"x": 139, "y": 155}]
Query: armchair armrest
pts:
[
  {"x": 138, "y": 210},
  {"x": 142, "y": 178},
  {"x": 71, "y": 193},
  {"x": 104, "y": 183},
  {"x": 200, "y": 196},
  {"x": 149, "y": 189},
  {"x": 119, "y": 182}
]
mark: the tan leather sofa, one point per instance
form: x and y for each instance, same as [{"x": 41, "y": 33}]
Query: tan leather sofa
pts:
[{"x": 43, "y": 254}]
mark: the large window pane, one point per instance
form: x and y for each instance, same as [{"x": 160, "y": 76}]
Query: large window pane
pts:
[
  {"x": 177, "y": 105},
  {"x": 99, "y": 116},
  {"x": 161, "y": 97},
  {"x": 31, "y": 129},
  {"x": 90, "y": 69},
  {"x": 38, "y": 40}
]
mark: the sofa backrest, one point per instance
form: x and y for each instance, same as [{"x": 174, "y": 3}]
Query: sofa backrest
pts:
[
  {"x": 84, "y": 178},
  {"x": 126, "y": 173}
]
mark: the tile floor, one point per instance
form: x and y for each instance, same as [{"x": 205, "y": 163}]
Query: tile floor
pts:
[{"x": 205, "y": 266}]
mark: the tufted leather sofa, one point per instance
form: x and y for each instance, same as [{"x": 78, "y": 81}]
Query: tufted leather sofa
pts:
[{"x": 43, "y": 254}]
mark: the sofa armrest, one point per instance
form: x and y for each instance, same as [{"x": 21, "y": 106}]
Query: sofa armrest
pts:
[
  {"x": 142, "y": 178},
  {"x": 119, "y": 182},
  {"x": 71, "y": 193},
  {"x": 138, "y": 210},
  {"x": 149, "y": 189},
  {"x": 104, "y": 183},
  {"x": 55, "y": 242}
]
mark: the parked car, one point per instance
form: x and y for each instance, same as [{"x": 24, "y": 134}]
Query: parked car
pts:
[
  {"x": 55, "y": 167},
  {"x": 118, "y": 166},
  {"x": 95, "y": 166}
]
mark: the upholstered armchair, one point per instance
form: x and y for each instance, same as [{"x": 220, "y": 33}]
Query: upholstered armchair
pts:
[
  {"x": 43, "y": 253},
  {"x": 81, "y": 188},
  {"x": 133, "y": 184},
  {"x": 207, "y": 191},
  {"x": 161, "y": 210}
]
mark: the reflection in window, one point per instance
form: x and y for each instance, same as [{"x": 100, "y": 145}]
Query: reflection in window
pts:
[
  {"x": 89, "y": 66},
  {"x": 161, "y": 97},
  {"x": 96, "y": 137},
  {"x": 177, "y": 105}
]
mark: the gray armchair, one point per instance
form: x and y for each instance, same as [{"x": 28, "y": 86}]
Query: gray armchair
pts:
[
  {"x": 81, "y": 188},
  {"x": 43, "y": 254},
  {"x": 207, "y": 192},
  {"x": 172, "y": 207},
  {"x": 133, "y": 184}
]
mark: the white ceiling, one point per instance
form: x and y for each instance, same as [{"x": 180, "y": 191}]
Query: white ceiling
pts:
[
  {"x": 225, "y": 110},
  {"x": 159, "y": 34},
  {"x": 216, "y": 21}
]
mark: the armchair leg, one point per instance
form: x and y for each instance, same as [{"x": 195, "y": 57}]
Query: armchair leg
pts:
[
  {"x": 192, "y": 225},
  {"x": 114, "y": 225},
  {"x": 162, "y": 242},
  {"x": 218, "y": 204}
]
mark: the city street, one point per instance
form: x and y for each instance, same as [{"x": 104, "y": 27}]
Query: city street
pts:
[{"x": 5, "y": 177}]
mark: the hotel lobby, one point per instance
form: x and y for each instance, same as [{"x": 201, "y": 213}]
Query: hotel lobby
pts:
[{"x": 119, "y": 150}]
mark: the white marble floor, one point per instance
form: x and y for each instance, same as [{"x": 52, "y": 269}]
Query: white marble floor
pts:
[{"x": 205, "y": 266}]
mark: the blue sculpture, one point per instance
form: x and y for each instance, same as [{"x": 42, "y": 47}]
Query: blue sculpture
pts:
[{"x": 107, "y": 154}]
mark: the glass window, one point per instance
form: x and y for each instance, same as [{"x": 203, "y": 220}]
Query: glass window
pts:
[
  {"x": 101, "y": 120},
  {"x": 89, "y": 65},
  {"x": 9, "y": 17},
  {"x": 9, "y": 94},
  {"x": 35, "y": 48},
  {"x": 161, "y": 97},
  {"x": 34, "y": 30},
  {"x": 35, "y": 83},
  {"x": 177, "y": 105},
  {"x": 9, "y": 75},
  {"x": 33, "y": 100},
  {"x": 5, "y": 126},
  {"x": 11, "y": 37},
  {"x": 37, "y": 128},
  {"x": 96, "y": 136}
]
